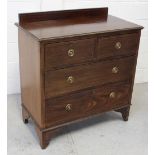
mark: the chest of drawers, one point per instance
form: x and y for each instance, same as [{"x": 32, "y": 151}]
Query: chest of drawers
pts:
[{"x": 75, "y": 64}]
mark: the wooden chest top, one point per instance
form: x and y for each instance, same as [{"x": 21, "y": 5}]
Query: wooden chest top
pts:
[{"x": 69, "y": 23}]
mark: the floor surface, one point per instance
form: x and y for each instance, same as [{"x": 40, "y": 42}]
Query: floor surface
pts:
[{"x": 106, "y": 134}]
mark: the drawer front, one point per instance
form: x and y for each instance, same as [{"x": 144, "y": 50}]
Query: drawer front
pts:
[
  {"x": 118, "y": 45},
  {"x": 68, "y": 53},
  {"x": 75, "y": 78},
  {"x": 79, "y": 105}
]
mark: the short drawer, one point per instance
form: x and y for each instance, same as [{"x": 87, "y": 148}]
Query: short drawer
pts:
[
  {"x": 76, "y": 78},
  {"x": 68, "y": 53},
  {"x": 118, "y": 45},
  {"x": 80, "y": 105}
]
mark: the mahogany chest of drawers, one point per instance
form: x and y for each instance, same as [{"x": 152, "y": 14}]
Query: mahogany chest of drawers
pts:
[{"x": 75, "y": 64}]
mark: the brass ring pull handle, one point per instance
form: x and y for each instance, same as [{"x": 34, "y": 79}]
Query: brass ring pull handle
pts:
[
  {"x": 112, "y": 95},
  {"x": 68, "y": 107},
  {"x": 115, "y": 70},
  {"x": 71, "y": 52},
  {"x": 118, "y": 45},
  {"x": 70, "y": 79}
]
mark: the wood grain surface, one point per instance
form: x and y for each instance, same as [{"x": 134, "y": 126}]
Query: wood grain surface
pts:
[
  {"x": 30, "y": 74},
  {"x": 87, "y": 76},
  {"x": 86, "y": 103},
  {"x": 56, "y": 55}
]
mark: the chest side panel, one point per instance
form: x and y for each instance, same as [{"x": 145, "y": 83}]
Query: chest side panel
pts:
[{"x": 30, "y": 74}]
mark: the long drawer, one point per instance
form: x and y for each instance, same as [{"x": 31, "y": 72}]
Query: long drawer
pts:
[
  {"x": 78, "y": 105},
  {"x": 72, "y": 79}
]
